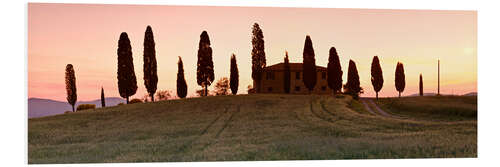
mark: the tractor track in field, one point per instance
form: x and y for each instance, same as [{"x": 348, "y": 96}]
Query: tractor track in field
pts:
[
  {"x": 321, "y": 117},
  {"x": 370, "y": 106},
  {"x": 212, "y": 131},
  {"x": 327, "y": 111},
  {"x": 226, "y": 123},
  {"x": 187, "y": 145}
]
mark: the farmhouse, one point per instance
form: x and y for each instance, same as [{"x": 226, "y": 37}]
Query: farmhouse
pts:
[{"x": 273, "y": 80}]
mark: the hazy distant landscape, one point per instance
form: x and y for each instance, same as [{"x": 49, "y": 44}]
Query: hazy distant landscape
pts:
[{"x": 38, "y": 107}]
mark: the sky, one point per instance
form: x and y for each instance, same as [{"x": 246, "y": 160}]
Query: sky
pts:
[{"x": 86, "y": 36}]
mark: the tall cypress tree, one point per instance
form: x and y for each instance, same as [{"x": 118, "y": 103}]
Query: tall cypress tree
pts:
[
  {"x": 334, "y": 71},
  {"x": 150, "y": 76},
  {"x": 352, "y": 86},
  {"x": 309, "y": 65},
  {"x": 258, "y": 55},
  {"x": 287, "y": 74},
  {"x": 70, "y": 86},
  {"x": 103, "y": 101},
  {"x": 205, "y": 68},
  {"x": 181, "y": 81},
  {"x": 421, "y": 86},
  {"x": 127, "y": 82},
  {"x": 234, "y": 76},
  {"x": 377, "y": 77},
  {"x": 400, "y": 78}
]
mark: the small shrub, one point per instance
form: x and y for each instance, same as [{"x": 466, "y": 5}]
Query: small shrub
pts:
[
  {"x": 67, "y": 112},
  {"x": 121, "y": 104},
  {"x": 85, "y": 107},
  {"x": 135, "y": 101},
  {"x": 250, "y": 89}
]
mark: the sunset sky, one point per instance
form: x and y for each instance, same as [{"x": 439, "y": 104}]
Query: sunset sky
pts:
[{"x": 87, "y": 37}]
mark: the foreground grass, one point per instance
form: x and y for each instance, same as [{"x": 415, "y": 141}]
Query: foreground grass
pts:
[{"x": 246, "y": 127}]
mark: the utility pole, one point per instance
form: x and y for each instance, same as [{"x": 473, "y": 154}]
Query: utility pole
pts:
[{"x": 438, "y": 78}]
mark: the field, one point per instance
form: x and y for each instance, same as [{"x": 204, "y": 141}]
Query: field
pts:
[{"x": 258, "y": 127}]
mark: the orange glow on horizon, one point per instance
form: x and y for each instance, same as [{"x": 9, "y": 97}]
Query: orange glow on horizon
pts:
[{"x": 86, "y": 36}]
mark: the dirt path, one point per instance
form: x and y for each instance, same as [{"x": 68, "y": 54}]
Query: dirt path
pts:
[
  {"x": 367, "y": 107},
  {"x": 379, "y": 111}
]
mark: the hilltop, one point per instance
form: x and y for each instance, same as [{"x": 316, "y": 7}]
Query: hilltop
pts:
[{"x": 250, "y": 127}]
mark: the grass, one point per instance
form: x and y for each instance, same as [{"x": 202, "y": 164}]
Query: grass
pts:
[
  {"x": 436, "y": 108},
  {"x": 246, "y": 127}
]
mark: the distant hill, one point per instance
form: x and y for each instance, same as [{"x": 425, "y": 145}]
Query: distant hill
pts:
[
  {"x": 434, "y": 94},
  {"x": 425, "y": 94},
  {"x": 470, "y": 94},
  {"x": 38, "y": 107}
]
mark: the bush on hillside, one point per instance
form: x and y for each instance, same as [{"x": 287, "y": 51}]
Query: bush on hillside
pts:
[
  {"x": 250, "y": 89},
  {"x": 85, "y": 107},
  {"x": 135, "y": 101},
  {"x": 163, "y": 95}
]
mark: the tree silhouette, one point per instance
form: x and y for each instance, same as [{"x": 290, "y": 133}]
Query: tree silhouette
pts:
[
  {"x": 70, "y": 86},
  {"x": 222, "y": 86},
  {"x": 127, "y": 83},
  {"x": 287, "y": 74},
  {"x": 103, "y": 101},
  {"x": 205, "y": 71},
  {"x": 400, "y": 78},
  {"x": 181, "y": 81},
  {"x": 150, "y": 76},
  {"x": 309, "y": 65},
  {"x": 352, "y": 86},
  {"x": 377, "y": 77},
  {"x": 234, "y": 76},
  {"x": 421, "y": 86},
  {"x": 334, "y": 71},
  {"x": 258, "y": 55}
]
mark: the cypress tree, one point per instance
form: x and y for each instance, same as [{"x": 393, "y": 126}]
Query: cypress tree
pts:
[
  {"x": 309, "y": 65},
  {"x": 400, "y": 78},
  {"x": 258, "y": 55},
  {"x": 377, "y": 77},
  {"x": 205, "y": 67},
  {"x": 334, "y": 71},
  {"x": 127, "y": 82},
  {"x": 103, "y": 101},
  {"x": 181, "y": 81},
  {"x": 70, "y": 86},
  {"x": 234, "y": 76},
  {"x": 150, "y": 76},
  {"x": 352, "y": 86},
  {"x": 287, "y": 74},
  {"x": 421, "y": 86}
]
